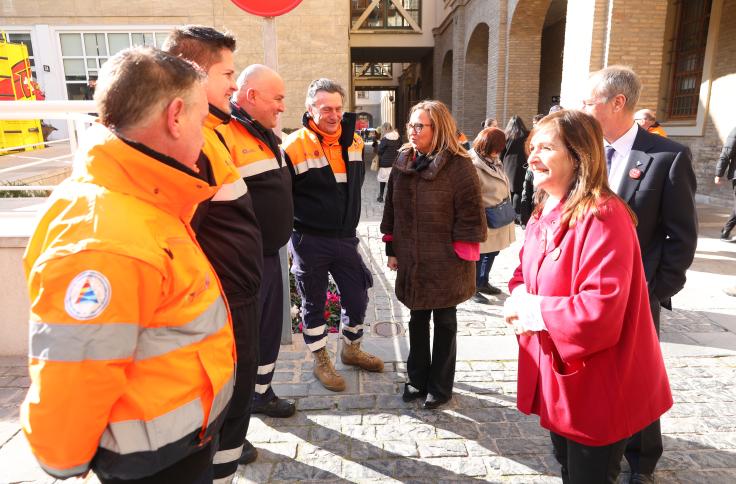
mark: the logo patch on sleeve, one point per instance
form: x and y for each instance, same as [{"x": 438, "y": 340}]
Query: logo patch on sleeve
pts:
[{"x": 87, "y": 295}]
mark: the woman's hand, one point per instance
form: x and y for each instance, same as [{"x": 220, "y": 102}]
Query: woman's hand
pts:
[
  {"x": 393, "y": 263},
  {"x": 511, "y": 316}
]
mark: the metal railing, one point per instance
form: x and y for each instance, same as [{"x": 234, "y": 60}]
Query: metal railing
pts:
[{"x": 78, "y": 119}]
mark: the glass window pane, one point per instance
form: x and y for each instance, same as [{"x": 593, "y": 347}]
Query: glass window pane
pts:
[
  {"x": 74, "y": 70},
  {"x": 94, "y": 44},
  {"x": 137, "y": 39},
  {"x": 160, "y": 37},
  {"x": 118, "y": 42},
  {"x": 102, "y": 61},
  {"x": 22, "y": 39},
  {"x": 148, "y": 39},
  {"x": 91, "y": 63},
  {"x": 76, "y": 92},
  {"x": 71, "y": 44}
]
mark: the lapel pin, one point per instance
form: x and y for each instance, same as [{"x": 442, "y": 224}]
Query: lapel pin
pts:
[
  {"x": 638, "y": 163},
  {"x": 556, "y": 253},
  {"x": 635, "y": 173}
]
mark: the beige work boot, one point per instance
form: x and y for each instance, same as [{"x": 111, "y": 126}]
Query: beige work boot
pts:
[
  {"x": 325, "y": 372},
  {"x": 351, "y": 354}
]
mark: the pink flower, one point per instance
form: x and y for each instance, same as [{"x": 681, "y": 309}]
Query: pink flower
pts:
[{"x": 332, "y": 329}]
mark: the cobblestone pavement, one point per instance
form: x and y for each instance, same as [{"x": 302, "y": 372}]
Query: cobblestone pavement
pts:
[{"x": 368, "y": 434}]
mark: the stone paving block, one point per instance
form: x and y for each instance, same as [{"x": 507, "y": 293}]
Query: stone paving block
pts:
[
  {"x": 417, "y": 431},
  {"x": 299, "y": 418},
  {"x": 377, "y": 388},
  {"x": 360, "y": 432},
  {"x": 381, "y": 418},
  {"x": 514, "y": 447},
  {"x": 16, "y": 370},
  {"x": 481, "y": 447},
  {"x": 17, "y": 463},
  {"x": 349, "y": 402},
  {"x": 385, "y": 402},
  {"x": 284, "y": 377},
  {"x": 458, "y": 430},
  {"x": 290, "y": 390},
  {"x": 517, "y": 465},
  {"x": 325, "y": 419},
  {"x": 5, "y": 380},
  {"x": 442, "y": 448},
  {"x": 401, "y": 448},
  {"x": 276, "y": 452},
  {"x": 494, "y": 414},
  {"x": 707, "y": 476},
  {"x": 289, "y": 434},
  {"x": 368, "y": 471},
  {"x": 323, "y": 435},
  {"x": 316, "y": 403},
  {"x": 672, "y": 460},
  {"x": 714, "y": 459},
  {"x": 499, "y": 430},
  {"x": 253, "y": 473},
  {"x": 721, "y": 440},
  {"x": 360, "y": 450},
  {"x": 313, "y": 470}
]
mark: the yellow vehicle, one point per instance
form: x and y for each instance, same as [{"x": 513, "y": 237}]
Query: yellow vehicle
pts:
[{"x": 16, "y": 83}]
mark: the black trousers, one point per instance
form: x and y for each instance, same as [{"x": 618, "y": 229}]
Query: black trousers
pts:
[
  {"x": 433, "y": 372},
  {"x": 645, "y": 447},
  {"x": 731, "y": 222},
  {"x": 193, "y": 469},
  {"x": 272, "y": 311},
  {"x": 232, "y": 436},
  {"x": 585, "y": 464}
]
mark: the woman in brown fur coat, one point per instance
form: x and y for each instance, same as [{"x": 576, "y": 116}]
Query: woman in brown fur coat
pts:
[{"x": 433, "y": 222}]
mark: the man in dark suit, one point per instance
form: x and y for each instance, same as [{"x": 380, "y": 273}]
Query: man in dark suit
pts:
[
  {"x": 726, "y": 166},
  {"x": 654, "y": 175}
]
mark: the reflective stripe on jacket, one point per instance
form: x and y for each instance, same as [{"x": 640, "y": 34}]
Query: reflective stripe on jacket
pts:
[
  {"x": 131, "y": 343},
  {"x": 323, "y": 175},
  {"x": 267, "y": 175}
]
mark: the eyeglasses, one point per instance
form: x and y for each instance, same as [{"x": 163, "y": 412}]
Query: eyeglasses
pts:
[{"x": 417, "y": 127}]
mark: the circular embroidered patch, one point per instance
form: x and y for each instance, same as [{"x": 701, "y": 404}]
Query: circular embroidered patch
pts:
[{"x": 87, "y": 295}]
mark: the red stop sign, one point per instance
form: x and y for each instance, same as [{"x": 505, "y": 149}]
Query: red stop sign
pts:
[{"x": 267, "y": 8}]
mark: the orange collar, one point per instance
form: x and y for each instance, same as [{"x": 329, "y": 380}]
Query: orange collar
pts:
[{"x": 326, "y": 137}]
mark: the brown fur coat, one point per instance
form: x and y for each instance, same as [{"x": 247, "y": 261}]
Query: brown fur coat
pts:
[{"x": 426, "y": 212}]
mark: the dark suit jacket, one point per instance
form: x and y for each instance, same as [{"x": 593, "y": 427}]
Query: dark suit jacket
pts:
[
  {"x": 727, "y": 162},
  {"x": 663, "y": 198}
]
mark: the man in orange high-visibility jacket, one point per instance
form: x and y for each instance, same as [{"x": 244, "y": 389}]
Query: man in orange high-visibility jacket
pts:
[
  {"x": 131, "y": 343},
  {"x": 229, "y": 233}
]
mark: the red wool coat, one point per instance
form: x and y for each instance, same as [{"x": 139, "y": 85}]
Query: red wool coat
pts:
[{"x": 596, "y": 375}]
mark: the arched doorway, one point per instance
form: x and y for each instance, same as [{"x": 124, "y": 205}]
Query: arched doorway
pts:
[
  {"x": 445, "y": 91},
  {"x": 476, "y": 81},
  {"x": 553, "y": 45}
]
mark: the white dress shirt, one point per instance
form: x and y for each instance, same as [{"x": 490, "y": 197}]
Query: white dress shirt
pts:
[{"x": 621, "y": 156}]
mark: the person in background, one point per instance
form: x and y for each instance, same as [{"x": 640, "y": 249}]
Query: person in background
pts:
[
  {"x": 433, "y": 222},
  {"x": 229, "y": 233},
  {"x": 647, "y": 120},
  {"x": 257, "y": 105},
  {"x": 489, "y": 123},
  {"x": 388, "y": 150},
  {"x": 726, "y": 166},
  {"x": 580, "y": 307},
  {"x": 131, "y": 344},
  {"x": 494, "y": 188},
  {"x": 463, "y": 140},
  {"x": 526, "y": 204},
  {"x": 514, "y": 158},
  {"x": 655, "y": 176},
  {"x": 327, "y": 157}
]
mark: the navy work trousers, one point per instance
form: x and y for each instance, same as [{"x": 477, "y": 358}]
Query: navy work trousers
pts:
[
  {"x": 313, "y": 258},
  {"x": 272, "y": 313},
  {"x": 235, "y": 427}
]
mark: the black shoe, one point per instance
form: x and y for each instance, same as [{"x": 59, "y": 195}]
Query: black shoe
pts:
[
  {"x": 412, "y": 393},
  {"x": 637, "y": 478},
  {"x": 479, "y": 298},
  {"x": 380, "y": 198},
  {"x": 433, "y": 402},
  {"x": 489, "y": 289},
  {"x": 248, "y": 455},
  {"x": 276, "y": 407},
  {"x": 725, "y": 234}
]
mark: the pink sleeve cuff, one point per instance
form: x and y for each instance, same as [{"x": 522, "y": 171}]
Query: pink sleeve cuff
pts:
[
  {"x": 387, "y": 238},
  {"x": 467, "y": 250}
]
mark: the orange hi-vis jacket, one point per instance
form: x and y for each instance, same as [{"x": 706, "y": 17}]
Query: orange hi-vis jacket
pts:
[
  {"x": 131, "y": 342},
  {"x": 327, "y": 182}
]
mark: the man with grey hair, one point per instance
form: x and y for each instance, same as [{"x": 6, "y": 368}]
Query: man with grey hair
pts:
[
  {"x": 654, "y": 175},
  {"x": 131, "y": 344},
  {"x": 254, "y": 148},
  {"x": 647, "y": 120},
  {"x": 327, "y": 157}
]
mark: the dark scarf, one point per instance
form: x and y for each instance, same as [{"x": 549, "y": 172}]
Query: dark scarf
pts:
[{"x": 422, "y": 161}]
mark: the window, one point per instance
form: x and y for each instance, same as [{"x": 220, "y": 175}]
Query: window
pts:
[
  {"x": 381, "y": 70},
  {"x": 361, "y": 94},
  {"x": 386, "y": 14},
  {"x": 688, "y": 56},
  {"x": 25, "y": 38},
  {"x": 84, "y": 53}
]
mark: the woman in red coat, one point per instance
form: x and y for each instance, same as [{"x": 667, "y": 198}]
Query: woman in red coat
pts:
[{"x": 580, "y": 306}]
